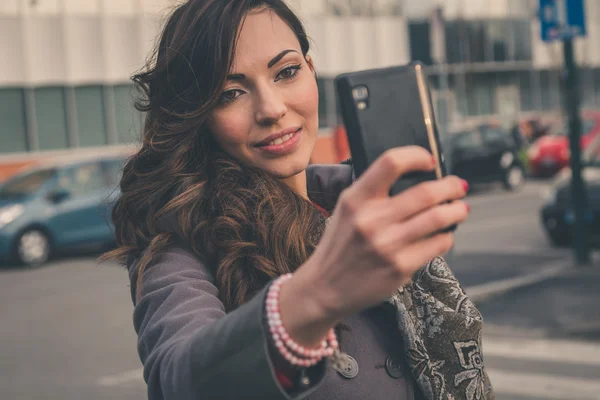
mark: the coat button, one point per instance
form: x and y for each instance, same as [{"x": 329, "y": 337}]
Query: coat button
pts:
[
  {"x": 350, "y": 368},
  {"x": 393, "y": 368}
]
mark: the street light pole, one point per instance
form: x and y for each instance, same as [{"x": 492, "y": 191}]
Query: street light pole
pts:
[{"x": 578, "y": 193}]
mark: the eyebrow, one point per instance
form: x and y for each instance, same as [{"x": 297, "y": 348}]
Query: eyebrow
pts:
[{"x": 274, "y": 60}]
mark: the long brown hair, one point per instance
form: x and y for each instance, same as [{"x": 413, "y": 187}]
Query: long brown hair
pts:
[{"x": 247, "y": 226}]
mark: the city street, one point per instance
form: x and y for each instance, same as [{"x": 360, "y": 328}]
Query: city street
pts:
[{"x": 67, "y": 328}]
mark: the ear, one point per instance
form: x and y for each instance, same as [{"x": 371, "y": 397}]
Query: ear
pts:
[{"x": 311, "y": 65}]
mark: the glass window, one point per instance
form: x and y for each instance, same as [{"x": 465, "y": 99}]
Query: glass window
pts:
[
  {"x": 420, "y": 47},
  {"x": 13, "y": 130},
  {"x": 476, "y": 41},
  {"x": 526, "y": 91},
  {"x": 483, "y": 95},
  {"x": 550, "y": 90},
  {"x": 497, "y": 45},
  {"x": 480, "y": 98},
  {"x": 90, "y": 115},
  {"x": 129, "y": 120},
  {"x": 521, "y": 32},
  {"x": 51, "y": 118},
  {"x": 82, "y": 179},
  {"x": 596, "y": 75},
  {"x": 24, "y": 185},
  {"x": 454, "y": 45},
  {"x": 587, "y": 86}
]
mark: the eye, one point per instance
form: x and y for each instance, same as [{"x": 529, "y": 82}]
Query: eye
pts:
[
  {"x": 229, "y": 96},
  {"x": 289, "y": 72}
]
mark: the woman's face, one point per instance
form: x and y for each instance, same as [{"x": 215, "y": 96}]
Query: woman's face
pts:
[{"x": 268, "y": 111}]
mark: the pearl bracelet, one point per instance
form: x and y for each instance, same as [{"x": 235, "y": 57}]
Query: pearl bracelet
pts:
[{"x": 293, "y": 352}]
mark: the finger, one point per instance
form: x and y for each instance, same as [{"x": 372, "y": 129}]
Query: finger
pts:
[
  {"x": 378, "y": 179},
  {"x": 415, "y": 256},
  {"x": 435, "y": 220},
  {"x": 425, "y": 195},
  {"x": 399, "y": 235},
  {"x": 412, "y": 201}
]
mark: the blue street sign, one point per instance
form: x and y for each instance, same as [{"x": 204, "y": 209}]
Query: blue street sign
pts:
[{"x": 562, "y": 19}]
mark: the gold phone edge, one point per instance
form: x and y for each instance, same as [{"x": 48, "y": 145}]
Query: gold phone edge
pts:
[{"x": 428, "y": 115}]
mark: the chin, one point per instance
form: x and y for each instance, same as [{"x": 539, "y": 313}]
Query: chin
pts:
[{"x": 283, "y": 169}]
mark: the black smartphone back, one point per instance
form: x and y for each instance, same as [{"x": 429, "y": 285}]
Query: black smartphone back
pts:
[{"x": 386, "y": 108}]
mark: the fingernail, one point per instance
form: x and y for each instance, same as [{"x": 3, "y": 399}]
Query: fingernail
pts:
[
  {"x": 468, "y": 207},
  {"x": 465, "y": 185},
  {"x": 433, "y": 161}
]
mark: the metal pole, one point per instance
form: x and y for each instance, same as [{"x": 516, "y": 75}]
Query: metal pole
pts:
[{"x": 578, "y": 193}]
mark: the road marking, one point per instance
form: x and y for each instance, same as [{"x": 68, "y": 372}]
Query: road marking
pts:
[
  {"x": 134, "y": 375},
  {"x": 543, "y": 350},
  {"x": 482, "y": 292},
  {"x": 544, "y": 386}
]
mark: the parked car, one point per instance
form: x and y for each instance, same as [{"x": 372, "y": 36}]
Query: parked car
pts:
[
  {"x": 557, "y": 213},
  {"x": 487, "y": 154},
  {"x": 56, "y": 207},
  {"x": 551, "y": 153}
]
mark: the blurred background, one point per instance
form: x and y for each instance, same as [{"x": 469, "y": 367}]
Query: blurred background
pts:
[{"x": 68, "y": 124}]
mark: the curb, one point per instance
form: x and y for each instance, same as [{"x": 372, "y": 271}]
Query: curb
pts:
[{"x": 485, "y": 291}]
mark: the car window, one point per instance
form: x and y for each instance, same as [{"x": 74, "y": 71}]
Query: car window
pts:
[
  {"x": 113, "y": 170},
  {"x": 493, "y": 135},
  {"x": 82, "y": 179},
  {"x": 27, "y": 184},
  {"x": 467, "y": 139}
]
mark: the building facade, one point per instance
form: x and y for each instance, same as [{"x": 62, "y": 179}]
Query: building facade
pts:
[{"x": 65, "y": 75}]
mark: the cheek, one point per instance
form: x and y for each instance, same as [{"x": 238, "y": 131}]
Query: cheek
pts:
[
  {"x": 230, "y": 128},
  {"x": 306, "y": 101}
]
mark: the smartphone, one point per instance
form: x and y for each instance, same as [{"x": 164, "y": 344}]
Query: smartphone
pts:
[{"x": 390, "y": 107}]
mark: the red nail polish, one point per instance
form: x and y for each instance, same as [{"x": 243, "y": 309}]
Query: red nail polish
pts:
[
  {"x": 433, "y": 161},
  {"x": 468, "y": 207},
  {"x": 465, "y": 185}
]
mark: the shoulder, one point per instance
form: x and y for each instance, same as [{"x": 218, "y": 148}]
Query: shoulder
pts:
[{"x": 174, "y": 264}]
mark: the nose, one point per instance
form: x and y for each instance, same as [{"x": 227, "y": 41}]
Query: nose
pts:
[{"x": 271, "y": 107}]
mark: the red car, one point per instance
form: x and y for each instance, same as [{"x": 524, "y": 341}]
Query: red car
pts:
[{"x": 550, "y": 153}]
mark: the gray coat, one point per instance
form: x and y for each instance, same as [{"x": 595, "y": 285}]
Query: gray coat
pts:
[{"x": 192, "y": 349}]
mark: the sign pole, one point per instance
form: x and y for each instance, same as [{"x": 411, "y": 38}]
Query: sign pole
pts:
[{"x": 578, "y": 193}]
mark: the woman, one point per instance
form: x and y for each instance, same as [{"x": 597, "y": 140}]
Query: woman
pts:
[{"x": 239, "y": 289}]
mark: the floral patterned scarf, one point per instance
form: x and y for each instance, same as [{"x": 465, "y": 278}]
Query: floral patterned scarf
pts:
[{"x": 441, "y": 329}]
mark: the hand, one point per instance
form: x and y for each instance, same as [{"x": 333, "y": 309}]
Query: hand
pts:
[{"x": 375, "y": 243}]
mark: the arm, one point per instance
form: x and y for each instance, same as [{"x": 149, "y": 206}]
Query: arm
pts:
[{"x": 191, "y": 349}]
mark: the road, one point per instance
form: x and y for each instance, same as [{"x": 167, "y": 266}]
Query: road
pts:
[{"x": 67, "y": 332}]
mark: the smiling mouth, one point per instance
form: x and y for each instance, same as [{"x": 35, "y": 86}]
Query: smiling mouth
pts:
[{"x": 280, "y": 140}]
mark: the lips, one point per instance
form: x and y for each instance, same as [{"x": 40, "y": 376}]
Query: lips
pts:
[{"x": 279, "y": 137}]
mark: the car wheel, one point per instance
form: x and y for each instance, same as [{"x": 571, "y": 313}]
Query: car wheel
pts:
[
  {"x": 514, "y": 178},
  {"x": 32, "y": 248}
]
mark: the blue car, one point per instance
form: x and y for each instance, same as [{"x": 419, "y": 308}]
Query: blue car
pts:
[{"x": 58, "y": 207}]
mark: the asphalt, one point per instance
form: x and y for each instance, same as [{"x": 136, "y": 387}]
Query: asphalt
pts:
[{"x": 563, "y": 306}]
